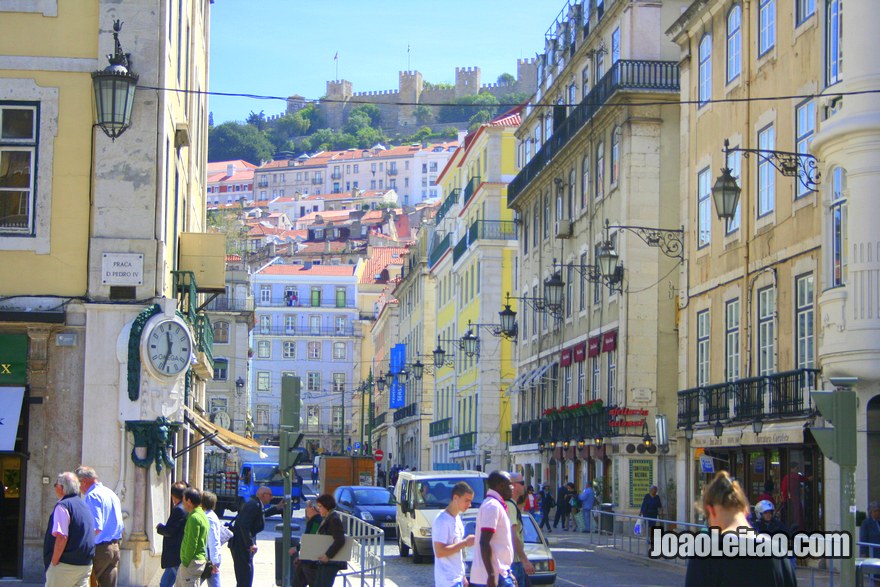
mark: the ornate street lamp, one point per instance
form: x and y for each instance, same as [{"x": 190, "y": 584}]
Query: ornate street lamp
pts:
[
  {"x": 239, "y": 386},
  {"x": 418, "y": 369},
  {"x": 757, "y": 425},
  {"x": 553, "y": 289},
  {"x": 114, "y": 89},
  {"x": 508, "y": 322},
  {"x": 380, "y": 382},
  {"x": 607, "y": 259},
  {"x": 725, "y": 194},
  {"x": 470, "y": 343},
  {"x": 718, "y": 429}
]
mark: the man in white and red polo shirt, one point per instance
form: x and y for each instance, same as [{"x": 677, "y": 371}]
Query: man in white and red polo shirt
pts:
[{"x": 492, "y": 560}]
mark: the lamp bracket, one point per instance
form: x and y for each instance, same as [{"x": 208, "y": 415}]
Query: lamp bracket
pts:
[
  {"x": 789, "y": 164},
  {"x": 539, "y": 305},
  {"x": 668, "y": 240},
  {"x": 494, "y": 329}
]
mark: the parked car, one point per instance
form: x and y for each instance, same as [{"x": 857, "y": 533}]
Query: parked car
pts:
[
  {"x": 374, "y": 505},
  {"x": 535, "y": 545}
]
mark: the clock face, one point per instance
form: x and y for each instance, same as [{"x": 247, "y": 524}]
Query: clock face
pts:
[
  {"x": 169, "y": 348},
  {"x": 222, "y": 419}
]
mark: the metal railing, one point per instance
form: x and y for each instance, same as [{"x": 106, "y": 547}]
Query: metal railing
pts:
[
  {"x": 460, "y": 247},
  {"x": 439, "y": 250},
  {"x": 303, "y": 331},
  {"x": 471, "y": 188},
  {"x": 781, "y": 395},
  {"x": 305, "y": 303},
  {"x": 224, "y": 304},
  {"x": 205, "y": 337},
  {"x": 626, "y": 74},
  {"x": 466, "y": 441},
  {"x": 367, "y": 564},
  {"x": 440, "y": 427},
  {"x": 406, "y": 412},
  {"x": 585, "y": 426},
  {"x": 379, "y": 420},
  {"x": 447, "y": 204}
]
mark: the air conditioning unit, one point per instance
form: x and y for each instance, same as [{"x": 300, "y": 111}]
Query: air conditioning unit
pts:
[{"x": 563, "y": 228}]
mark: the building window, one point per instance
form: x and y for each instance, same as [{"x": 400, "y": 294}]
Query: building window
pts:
[
  {"x": 265, "y": 294},
  {"x": 767, "y": 331},
  {"x": 566, "y": 385},
  {"x": 264, "y": 349},
  {"x": 569, "y": 290},
  {"x": 18, "y": 151},
  {"x": 734, "y": 42},
  {"x": 221, "y": 369},
  {"x": 734, "y": 160},
  {"x": 582, "y": 293},
  {"x": 615, "y": 46},
  {"x": 265, "y": 324},
  {"x": 314, "y": 325},
  {"x": 703, "y": 348},
  {"x": 289, "y": 350},
  {"x": 600, "y": 170},
  {"x": 535, "y": 313},
  {"x": 339, "y": 382},
  {"x": 585, "y": 183},
  {"x": 341, "y": 324},
  {"x": 600, "y": 65},
  {"x": 731, "y": 340},
  {"x": 766, "y": 25},
  {"x": 289, "y": 324},
  {"x": 581, "y": 382},
  {"x": 218, "y": 404},
  {"x": 546, "y": 215},
  {"x": 585, "y": 81},
  {"x": 337, "y": 418},
  {"x": 263, "y": 380},
  {"x": 804, "y": 10},
  {"x": 805, "y": 118},
  {"x": 316, "y": 296},
  {"x": 339, "y": 351},
  {"x": 704, "y": 207},
  {"x": 611, "y": 358},
  {"x": 615, "y": 155},
  {"x": 536, "y": 213},
  {"x": 314, "y": 351},
  {"x": 804, "y": 322},
  {"x": 340, "y": 297},
  {"x": 313, "y": 416},
  {"x": 594, "y": 378},
  {"x": 221, "y": 332},
  {"x": 314, "y": 381},
  {"x": 705, "y": 91},
  {"x": 766, "y": 173},
  {"x": 262, "y": 418},
  {"x": 833, "y": 43},
  {"x": 838, "y": 227}
]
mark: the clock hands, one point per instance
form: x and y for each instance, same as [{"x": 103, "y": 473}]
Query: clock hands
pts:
[{"x": 168, "y": 350}]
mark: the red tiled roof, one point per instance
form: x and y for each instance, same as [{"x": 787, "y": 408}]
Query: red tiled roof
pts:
[
  {"x": 328, "y": 270},
  {"x": 321, "y": 247},
  {"x": 380, "y": 258}
]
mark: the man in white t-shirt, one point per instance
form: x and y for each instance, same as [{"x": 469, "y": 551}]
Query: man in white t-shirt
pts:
[
  {"x": 493, "y": 557},
  {"x": 447, "y": 532}
]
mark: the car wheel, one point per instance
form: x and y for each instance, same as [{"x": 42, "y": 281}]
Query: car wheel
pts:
[
  {"x": 417, "y": 557},
  {"x": 404, "y": 549}
]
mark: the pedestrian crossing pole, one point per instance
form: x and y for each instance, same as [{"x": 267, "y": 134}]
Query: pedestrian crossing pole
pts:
[{"x": 287, "y": 461}]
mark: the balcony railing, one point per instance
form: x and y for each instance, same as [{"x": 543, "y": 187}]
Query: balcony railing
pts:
[
  {"x": 379, "y": 420},
  {"x": 407, "y": 412},
  {"x": 447, "y": 204},
  {"x": 439, "y": 250},
  {"x": 586, "y": 426},
  {"x": 487, "y": 230},
  {"x": 471, "y": 188},
  {"x": 464, "y": 441},
  {"x": 304, "y": 331},
  {"x": 656, "y": 76},
  {"x": 280, "y": 302},
  {"x": 392, "y": 171},
  {"x": 440, "y": 427},
  {"x": 336, "y": 175},
  {"x": 205, "y": 337},
  {"x": 781, "y": 395},
  {"x": 224, "y": 304},
  {"x": 317, "y": 181},
  {"x": 460, "y": 247}
]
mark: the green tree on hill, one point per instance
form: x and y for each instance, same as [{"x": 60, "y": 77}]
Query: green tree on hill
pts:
[{"x": 233, "y": 140}]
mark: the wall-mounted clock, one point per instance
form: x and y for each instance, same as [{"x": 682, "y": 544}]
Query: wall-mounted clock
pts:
[
  {"x": 168, "y": 347},
  {"x": 222, "y": 419}
]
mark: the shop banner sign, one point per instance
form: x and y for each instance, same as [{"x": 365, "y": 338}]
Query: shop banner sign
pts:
[
  {"x": 396, "y": 394},
  {"x": 10, "y": 411},
  {"x": 641, "y": 477},
  {"x": 398, "y": 358}
]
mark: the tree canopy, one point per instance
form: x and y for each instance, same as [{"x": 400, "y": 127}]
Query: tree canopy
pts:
[{"x": 233, "y": 140}]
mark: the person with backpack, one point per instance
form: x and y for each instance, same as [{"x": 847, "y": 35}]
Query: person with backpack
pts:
[{"x": 546, "y": 503}]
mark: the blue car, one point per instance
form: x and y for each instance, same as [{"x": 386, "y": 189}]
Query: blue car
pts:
[{"x": 374, "y": 505}]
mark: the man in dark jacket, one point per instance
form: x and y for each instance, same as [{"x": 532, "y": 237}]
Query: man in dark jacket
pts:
[
  {"x": 69, "y": 544},
  {"x": 545, "y": 498},
  {"x": 248, "y": 523},
  {"x": 172, "y": 535},
  {"x": 562, "y": 507}
]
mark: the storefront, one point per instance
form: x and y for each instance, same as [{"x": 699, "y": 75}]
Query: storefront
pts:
[
  {"x": 13, "y": 450},
  {"x": 783, "y": 454}
]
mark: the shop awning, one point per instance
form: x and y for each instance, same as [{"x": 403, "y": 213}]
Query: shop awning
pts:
[
  {"x": 221, "y": 436},
  {"x": 10, "y": 411},
  {"x": 517, "y": 383},
  {"x": 536, "y": 375}
]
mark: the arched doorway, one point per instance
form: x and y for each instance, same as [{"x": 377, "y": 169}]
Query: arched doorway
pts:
[{"x": 873, "y": 448}]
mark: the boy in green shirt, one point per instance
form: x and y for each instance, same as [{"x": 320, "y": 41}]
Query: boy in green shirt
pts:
[{"x": 194, "y": 548}]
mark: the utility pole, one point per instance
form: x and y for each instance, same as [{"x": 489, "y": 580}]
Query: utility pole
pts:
[{"x": 288, "y": 458}]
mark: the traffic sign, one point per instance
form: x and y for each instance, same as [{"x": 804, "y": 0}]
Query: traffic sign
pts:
[
  {"x": 357, "y": 445},
  {"x": 378, "y": 455}
]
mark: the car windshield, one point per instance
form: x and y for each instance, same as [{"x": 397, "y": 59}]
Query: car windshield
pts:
[
  {"x": 437, "y": 493},
  {"x": 373, "y": 497},
  {"x": 266, "y": 473},
  {"x": 530, "y": 531}
]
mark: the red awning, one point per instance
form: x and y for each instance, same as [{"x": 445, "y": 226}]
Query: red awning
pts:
[
  {"x": 609, "y": 341},
  {"x": 565, "y": 361},
  {"x": 580, "y": 352},
  {"x": 593, "y": 347}
]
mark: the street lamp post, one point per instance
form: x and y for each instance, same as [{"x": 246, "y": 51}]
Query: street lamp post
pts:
[{"x": 114, "y": 88}]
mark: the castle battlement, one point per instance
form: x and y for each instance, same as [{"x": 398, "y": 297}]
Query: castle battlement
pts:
[{"x": 526, "y": 61}]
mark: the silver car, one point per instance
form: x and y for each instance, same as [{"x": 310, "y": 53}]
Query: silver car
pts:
[{"x": 535, "y": 545}]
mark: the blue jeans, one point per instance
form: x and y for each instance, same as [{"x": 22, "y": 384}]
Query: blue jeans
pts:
[
  {"x": 507, "y": 581},
  {"x": 168, "y": 577},
  {"x": 519, "y": 573},
  {"x": 213, "y": 580}
]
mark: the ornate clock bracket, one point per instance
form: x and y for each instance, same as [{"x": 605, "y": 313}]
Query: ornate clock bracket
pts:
[
  {"x": 157, "y": 437},
  {"x": 134, "y": 350}
]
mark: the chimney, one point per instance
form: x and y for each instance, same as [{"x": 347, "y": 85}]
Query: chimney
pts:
[{"x": 230, "y": 169}]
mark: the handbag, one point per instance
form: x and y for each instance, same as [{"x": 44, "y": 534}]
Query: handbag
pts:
[
  {"x": 209, "y": 570},
  {"x": 637, "y": 529}
]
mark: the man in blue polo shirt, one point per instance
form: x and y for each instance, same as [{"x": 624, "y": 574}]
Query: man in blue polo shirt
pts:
[
  {"x": 69, "y": 543},
  {"x": 107, "y": 513}
]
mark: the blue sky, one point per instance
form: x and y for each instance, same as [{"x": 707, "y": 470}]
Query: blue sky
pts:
[{"x": 284, "y": 47}]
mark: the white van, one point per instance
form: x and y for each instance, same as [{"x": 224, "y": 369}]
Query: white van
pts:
[{"x": 421, "y": 496}]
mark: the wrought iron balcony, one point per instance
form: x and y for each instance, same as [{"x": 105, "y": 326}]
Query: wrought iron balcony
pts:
[
  {"x": 463, "y": 442},
  {"x": 439, "y": 250},
  {"x": 304, "y": 331},
  {"x": 447, "y": 204},
  {"x": 642, "y": 76},
  {"x": 471, "y": 188},
  {"x": 379, "y": 420},
  {"x": 559, "y": 428},
  {"x": 487, "y": 230},
  {"x": 305, "y": 303},
  {"x": 224, "y": 304},
  {"x": 336, "y": 175},
  {"x": 205, "y": 337},
  {"x": 440, "y": 427},
  {"x": 781, "y": 395},
  {"x": 406, "y": 412},
  {"x": 391, "y": 170}
]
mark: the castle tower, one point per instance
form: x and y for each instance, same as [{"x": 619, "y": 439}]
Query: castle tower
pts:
[
  {"x": 339, "y": 92},
  {"x": 467, "y": 81},
  {"x": 410, "y": 85},
  {"x": 527, "y": 75}
]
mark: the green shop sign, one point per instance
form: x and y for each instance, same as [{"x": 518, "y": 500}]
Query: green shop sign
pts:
[{"x": 13, "y": 359}]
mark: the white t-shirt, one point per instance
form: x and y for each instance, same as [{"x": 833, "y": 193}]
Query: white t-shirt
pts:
[
  {"x": 447, "y": 529},
  {"x": 492, "y": 517}
]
